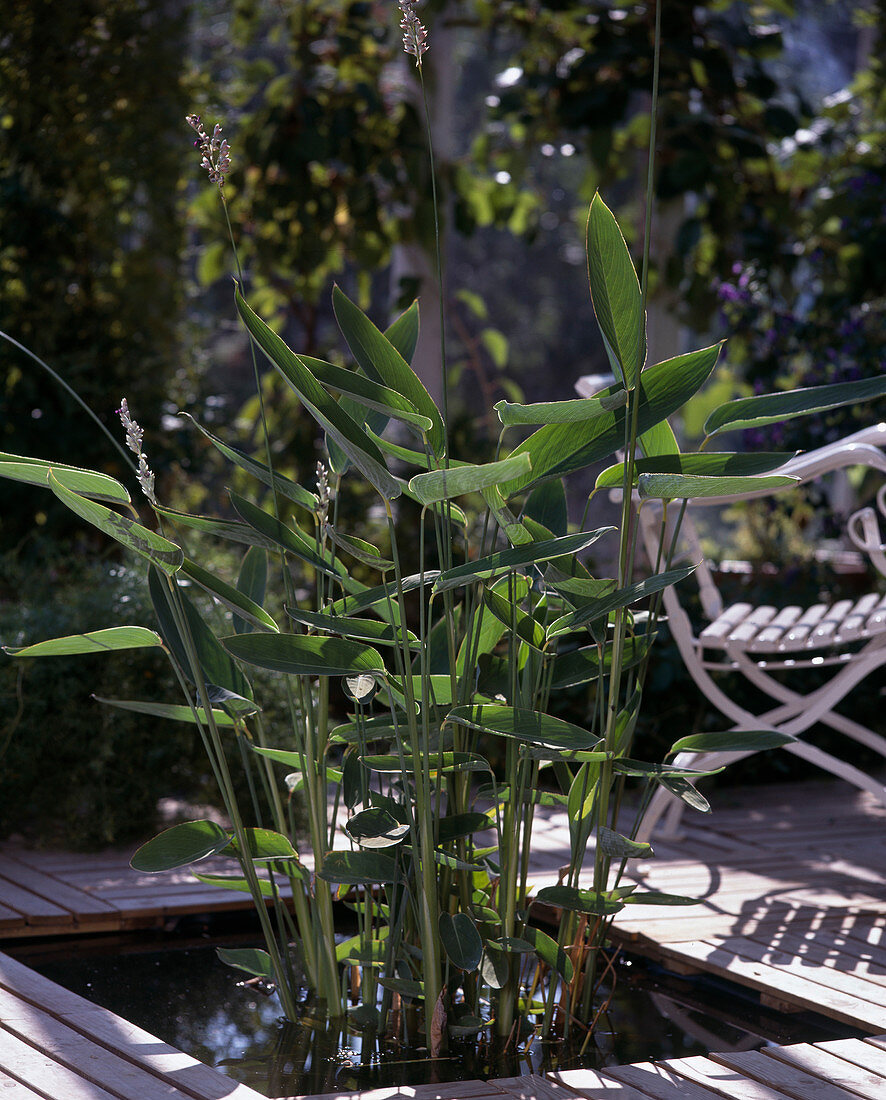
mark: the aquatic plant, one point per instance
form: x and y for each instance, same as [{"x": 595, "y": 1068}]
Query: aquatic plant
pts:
[{"x": 435, "y": 774}]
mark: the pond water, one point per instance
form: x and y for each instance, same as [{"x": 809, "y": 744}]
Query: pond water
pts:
[{"x": 179, "y": 991}]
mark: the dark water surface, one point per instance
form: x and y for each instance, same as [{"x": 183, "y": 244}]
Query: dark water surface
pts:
[{"x": 187, "y": 997}]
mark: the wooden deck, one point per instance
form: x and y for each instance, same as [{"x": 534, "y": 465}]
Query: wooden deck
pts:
[
  {"x": 56, "y": 1045},
  {"x": 791, "y": 882}
]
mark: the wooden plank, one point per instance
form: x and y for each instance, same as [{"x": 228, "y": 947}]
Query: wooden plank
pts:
[
  {"x": 859, "y": 1052},
  {"x": 802, "y": 990},
  {"x": 811, "y": 1059},
  {"x": 111, "y": 1033},
  {"x": 51, "y": 889},
  {"x": 722, "y": 1080},
  {"x": 10, "y": 1089},
  {"x": 53, "y": 1038},
  {"x": 789, "y": 1079},
  {"x": 657, "y": 1080},
  {"x": 531, "y": 1086},
  {"x": 593, "y": 1086},
  {"x": 41, "y": 1072},
  {"x": 834, "y": 977}
]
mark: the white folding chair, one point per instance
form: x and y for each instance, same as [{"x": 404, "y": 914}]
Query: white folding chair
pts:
[{"x": 846, "y": 636}]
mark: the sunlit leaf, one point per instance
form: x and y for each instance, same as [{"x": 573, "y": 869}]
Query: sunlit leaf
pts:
[
  {"x": 96, "y": 641},
  {"x": 182, "y": 844},
  {"x": 771, "y": 408}
]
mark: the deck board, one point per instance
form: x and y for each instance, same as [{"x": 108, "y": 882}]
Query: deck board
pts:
[{"x": 61, "y": 1046}]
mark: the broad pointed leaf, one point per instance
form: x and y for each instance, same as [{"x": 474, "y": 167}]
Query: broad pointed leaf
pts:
[
  {"x": 230, "y": 596},
  {"x": 356, "y": 868},
  {"x": 299, "y": 655},
  {"x": 691, "y": 486},
  {"x": 282, "y": 485},
  {"x": 173, "y": 711},
  {"x": 573, "y": 411},
  {"x": 380, "y": 360},
  {"x": 251, "y": 959},
  {"x": 517, "y": 557},
  {"x": 770, "y": 408},
  {"x": 558, "y": 449},
  {"x": 529, "y": 726},
  {"x": 732, "y": 741},
  {"x": 88, "y": 483},
  {"x": 461, "y": 940},
  {"x": 181, "y": 845},
  {"x": 438, "y": 485},
  {"x": 341, "y": 427},
  {"x": 148, "y": 544},
  {"x": 615, "y": 292},
  {"x": 96, "y": 641}
]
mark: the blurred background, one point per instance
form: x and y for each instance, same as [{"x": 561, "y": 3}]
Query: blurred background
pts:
[{"x": 116, "y": 268}]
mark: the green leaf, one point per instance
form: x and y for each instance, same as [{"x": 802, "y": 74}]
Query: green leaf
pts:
[
  {"x": 615, "y": 292},
  {"x": 581, "y": 901},
  {"x": 547, "y": 505},
  {"x": 529, "y": 726},
  {"x": 370, "y": 630},
  {"x": 614, "y": 844},
  {"x": 262, "y": 845},
  {"x": 573, "y": 411},
  {"x": 770, "y": 408},
  {"x": 703, "y": 464},
  {"x": 403, "y": 333},
  {"x": 366, "y": 393},
  {"x": 406, "y": 987},
  {"x": 461, "y": 940},
  {"x": 558, "y": 449},
  {"x": 252, "y": 583},
  {"x": 496, "y": 969},
  {"x": 280, "y": 535},
  {"x": 363, "y": 551},
  {"x": 623, "y": 597},
  {"x": 96, "y": 641},
  {"x": 530, "y": 554},
  {"x": 550, "y": 952},
  {"x": 231, "y": 597},
  {"x": 732, "y": 741},
  {"x": 173, "y": 711},
  {"x": 236, "y": 882},
  {"x": 216, "y": 667},
  {"x": 356, "y": 868},
  {"x": 283, "y": 485},
  {"x": 88, "y": 483},
  {"x": 579, "y": 666},
  {"x": 439, "y": 762},
  {"x": 346, "y": 432},
  {"x": 148, "y": 544},
  {"x": 655, "y": 897},
  {"x": 375, "y": 828},
  {"x": 454, "y": 826},
  {"x": 299, "y": 655},
  {"x": 689, "y": 486},
  {"x": 250, "y": 959},
  {"x": 181, "y": 845},
  {"x": 684, "y": 790},
  {"x": 644, "y": 770},
  {"x": 378, "y": 357},
  {"x": 438, "y": 485}
]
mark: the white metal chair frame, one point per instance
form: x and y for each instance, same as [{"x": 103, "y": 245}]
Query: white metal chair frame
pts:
[{"x": 849, "y": 636}]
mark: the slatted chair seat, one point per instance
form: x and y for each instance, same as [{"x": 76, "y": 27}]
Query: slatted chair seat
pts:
[
  {"x": 795, "y": 630},
  {"x": 768, "y": 645}
]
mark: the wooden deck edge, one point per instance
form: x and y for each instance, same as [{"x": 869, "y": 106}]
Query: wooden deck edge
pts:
[{"x": 51, "y": 1038}]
